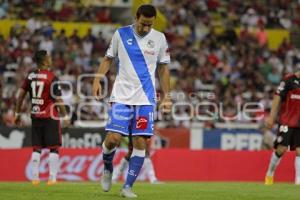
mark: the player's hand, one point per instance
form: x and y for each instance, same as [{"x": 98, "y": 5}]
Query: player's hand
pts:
[
  {"x": 97, "y": 89},
  {"x": 269, "y": 122},
  {"x": 166, "y": 105},
  {"x": 17, "y": 119},
  {"x": 66, "y": 122}
]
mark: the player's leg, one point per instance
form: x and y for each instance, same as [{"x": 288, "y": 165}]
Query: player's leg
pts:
[
  {"x": 53, "y": 165},
  {"x": 109, "y": 145},
  {"x": 281, "y": 145},
  {"x": 123, "y": 163},
  {"x": 35, "y": 163},
  {"x": 142, "y": 128},
  {"x": 135, "y": 164},
  {"x": 296, "y": 141},
  {"x": 149, "y": 168},
  {"x": 274, "y": 162},
  {"x": 52, "y": 140},
  {"x": 117, "y": 173},
  {"x": 297, "y": 166},
  {"x": 119, "y": 118},
  {"x": 36, "y": 140}
]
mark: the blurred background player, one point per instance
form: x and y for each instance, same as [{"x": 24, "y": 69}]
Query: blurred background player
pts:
[
  {"x": 139, "y": 49},
  {"x": 287, "y": 102},
  {"x": 148, "y": 165},
  {"x": 45, "y": 98}
]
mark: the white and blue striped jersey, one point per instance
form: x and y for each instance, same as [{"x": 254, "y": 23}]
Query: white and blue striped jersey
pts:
[{"x": 137, "y": 58}]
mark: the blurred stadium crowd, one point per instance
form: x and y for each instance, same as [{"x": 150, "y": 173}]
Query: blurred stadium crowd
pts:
[{"x": 228, "y": 68}]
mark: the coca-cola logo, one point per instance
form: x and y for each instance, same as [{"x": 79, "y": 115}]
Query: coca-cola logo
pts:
[
  {"x": 77, "y": 167},
  {"x": 71, "y": 168}
]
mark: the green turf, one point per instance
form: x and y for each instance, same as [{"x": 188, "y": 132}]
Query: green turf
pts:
[{"x": 170, "y": 191}]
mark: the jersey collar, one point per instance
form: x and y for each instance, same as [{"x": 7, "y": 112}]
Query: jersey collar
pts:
[{"x": 135, "y": 33}]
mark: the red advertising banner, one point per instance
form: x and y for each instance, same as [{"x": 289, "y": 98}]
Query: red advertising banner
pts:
[
  {"x": 75, "y": 164},
  {"x": 218, "y": 165},
  {"x": 170, "y": 165},
  {"x": 174, "y": 137}
]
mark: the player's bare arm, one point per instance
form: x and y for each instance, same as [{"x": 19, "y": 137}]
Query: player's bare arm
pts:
[
  {"x": 274, "y": 111},
  {"x": 164, "y": 79},
  {"x": 63, "y": 112},
  {"x": 20, "y": 97},
  {"x": 102, "y": 70}
]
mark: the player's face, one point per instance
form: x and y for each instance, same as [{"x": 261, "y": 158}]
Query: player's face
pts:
[{"x": 144, "y": 24}]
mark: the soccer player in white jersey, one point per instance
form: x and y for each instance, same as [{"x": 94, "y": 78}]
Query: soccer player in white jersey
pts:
[{"x": 138, "y": 49}]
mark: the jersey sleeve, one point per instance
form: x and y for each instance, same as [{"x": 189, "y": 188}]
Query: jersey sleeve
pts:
[
  {"x": 26, "y": 84},
  {"x": 164, "y": 52},
  {"x": 113, "y": 46},
  {"x": 56, "y": 88},
  {"x": 283, "y": 88}
]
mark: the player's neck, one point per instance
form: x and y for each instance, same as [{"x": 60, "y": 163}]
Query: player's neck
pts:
[
  {"x": 297, "y": 74},
  {"x": 43, "y": 67},
  {"x": 136, "y": 31}
]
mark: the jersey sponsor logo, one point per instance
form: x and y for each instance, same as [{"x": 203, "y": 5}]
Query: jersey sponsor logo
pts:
[
  {"x": 149, "y": 52},
  {"x": 295, "y": 96},
  {"x": 141, "y": 123},
  {"x": 283, "y": 129},
  {"x": 150, "y": 44},
  {"x": 129, "y": 41},
  {"x": 34, "y": 75},
  {"x": 36, "y": 109}
]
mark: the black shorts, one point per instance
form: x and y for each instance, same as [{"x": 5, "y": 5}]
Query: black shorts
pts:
[
  {"x": 46, "y": 133},
  {"x": 288, "y": 136}
]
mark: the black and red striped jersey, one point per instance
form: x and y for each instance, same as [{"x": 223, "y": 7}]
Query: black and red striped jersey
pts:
[
  {"x": 43, "y": 88},
  {"x": 289, "y": 92}
]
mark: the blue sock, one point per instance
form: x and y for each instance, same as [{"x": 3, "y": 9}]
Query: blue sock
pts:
[
  {"x": 135, "y": 165},
  {"x": 108, "y": 156},
  {"x": 107, "y": 159}
]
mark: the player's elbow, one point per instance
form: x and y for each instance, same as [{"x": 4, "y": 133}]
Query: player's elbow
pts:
[{"x": 107, "y": 60}]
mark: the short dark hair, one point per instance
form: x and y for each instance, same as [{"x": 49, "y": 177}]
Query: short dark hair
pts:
[
  {"x": 40, "y": 56},
  {"x": 146, "y": 10}
]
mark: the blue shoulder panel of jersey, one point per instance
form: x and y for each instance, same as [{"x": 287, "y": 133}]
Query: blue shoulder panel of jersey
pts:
[{"x": 138, "y": 61}]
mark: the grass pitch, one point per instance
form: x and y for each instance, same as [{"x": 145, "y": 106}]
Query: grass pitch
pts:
[{"x": 146, "y": 191}]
